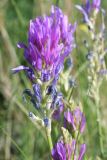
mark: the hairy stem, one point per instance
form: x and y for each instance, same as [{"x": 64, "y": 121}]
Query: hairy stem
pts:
[{"x": 48, "y": 134}]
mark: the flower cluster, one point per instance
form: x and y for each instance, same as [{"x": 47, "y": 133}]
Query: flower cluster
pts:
[
  {"x": 63, "y": 151},
  {"x": 66, "y": 149},
  {"x": 50, "y": 41}
]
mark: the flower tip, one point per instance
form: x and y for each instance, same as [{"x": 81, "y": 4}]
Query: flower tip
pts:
[
  {"x": 77, "y": 6},
  {"x": 21, "y": 45},
  {"x": 19, "y": 68}
]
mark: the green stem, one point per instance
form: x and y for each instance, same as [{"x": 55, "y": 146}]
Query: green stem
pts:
[
  {"x": 99, "y": 125},
  {"x": 70, "y": 94},
  {"x": 48, "y": 134},
  {"x": 49, "y": 139}
]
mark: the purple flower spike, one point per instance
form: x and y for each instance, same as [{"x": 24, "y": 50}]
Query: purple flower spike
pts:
[
  {"x": 82, "y": 151},
  {"x": 75, "y": 119},
  {"x": 69, "y": 120},
  {"x": 50, "y": 41},
  {"x": 62, "y": 151},
  {"x": 59, "y": 151},
  {"x": 79, "y": 119}
]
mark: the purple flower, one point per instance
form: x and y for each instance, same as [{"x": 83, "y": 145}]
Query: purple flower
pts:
[
  {"x": 88, "y": 7},
  {"x": 50, "y": 41},
  {"x": 75, "y": 120},
  {"x": 69, "y": 119},
  {"x": 96, "y": 4},
  {"x": 62, "y": 151},
  {"x": 59, "y": 151}
]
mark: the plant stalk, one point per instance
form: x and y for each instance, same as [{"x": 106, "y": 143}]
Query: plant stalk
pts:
[
  {"x": 48, "y": 134},
  {"x": 99, "y": 124}
]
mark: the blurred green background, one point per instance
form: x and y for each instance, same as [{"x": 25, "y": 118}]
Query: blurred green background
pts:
[{"x": 19, "y": 138}]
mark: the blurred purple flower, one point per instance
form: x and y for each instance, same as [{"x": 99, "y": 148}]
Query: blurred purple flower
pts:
[
  {"x": 50, "y": 41},
  {"x": 75, "y": 120},
  {"x": 88, "y": 7},
  {"x": 85, "y": 12},
  {"x": 69, "y": 119},
  {"x": 62, "y": 151},
  {"x": 82, "y": 151},
  {"x": 96, "y": 4},
  {"x": 59, "y": 151}
]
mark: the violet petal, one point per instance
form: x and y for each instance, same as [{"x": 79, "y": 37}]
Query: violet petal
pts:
[
  {"x": 82, "y": 10},
  {"x": 18, "y": 69},
  {"x": 82, "y": 151}
]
